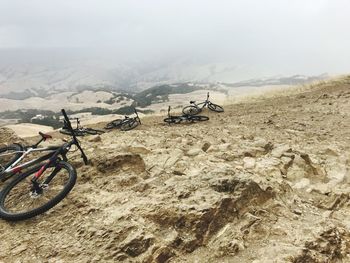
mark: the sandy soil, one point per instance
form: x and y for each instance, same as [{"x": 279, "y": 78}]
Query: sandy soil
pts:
[
  {"x": 28, "y": 129},
  {"x": 268, "y": 180}
]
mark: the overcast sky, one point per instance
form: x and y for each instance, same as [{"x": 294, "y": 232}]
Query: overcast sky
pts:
[{"x": 288, "y": 36}]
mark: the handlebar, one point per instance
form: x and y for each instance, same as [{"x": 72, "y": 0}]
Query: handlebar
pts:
[
  {"x": 75, "y": 119},
  {"x": 137, "y": 115},
  {"x": 76, "y": 142},
  {"x": 169, "y": 110}
]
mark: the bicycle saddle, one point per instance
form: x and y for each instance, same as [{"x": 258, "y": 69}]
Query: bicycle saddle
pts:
[
  {"x": 192, "y": 101},
  {"x": 45, "y": 136}
]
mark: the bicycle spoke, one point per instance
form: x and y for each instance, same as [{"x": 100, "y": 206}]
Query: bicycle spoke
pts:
[{"x": 23, "y": 198}]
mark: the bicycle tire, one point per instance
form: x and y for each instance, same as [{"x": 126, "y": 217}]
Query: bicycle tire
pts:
[
  {"x": 215, "y": 107},
  {"x": 93, "y": 131},
  {"x": 76, "y": 132},
  {"x": 199, "y": 118},
  {"x": 7, "y": 214},
  {"x": 191, "y": 110},
  {"x": 172, "y": 120},
  {"x": 8, "y": 155},
  {"x": 129, "y": 125},
  {"x": 114, "y": 124}
]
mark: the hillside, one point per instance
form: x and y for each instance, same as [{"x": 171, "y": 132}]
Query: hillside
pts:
[
  {"x": 22, "y": 106},
  {"x": 268, "y": 180}
]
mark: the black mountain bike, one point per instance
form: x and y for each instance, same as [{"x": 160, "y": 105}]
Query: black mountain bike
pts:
[
  {"x": 194, "y": 108},
  {"x": 184, "y": 118},
  {"x": 79, "y": 130},
  {"x": 39, "y": 184},
  {"x": 125, "y": 124}
]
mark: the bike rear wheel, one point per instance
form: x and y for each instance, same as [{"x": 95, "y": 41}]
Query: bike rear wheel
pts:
[
  {"x": 114, "y": 124},
  {"x": 191, "y": 110},
  {"x": 20, "y": 200},
  {"x": 8, "y": 155},
  {"x": 76, "y": 132},
  {"x": 93, "y": 131},
  {"x": 215, "y": 107},
  {"x": 173, "y": 120},
  {"x": 129, "y": 125},
  {"x": 199, "y": 118}
]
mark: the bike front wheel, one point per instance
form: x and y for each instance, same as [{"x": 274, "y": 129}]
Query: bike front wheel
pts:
[
  {"x": 191, "y": 110},
  {"x": 129, "y": 125},
  {"x": 199, "y": 118},
  {"x": 171, "y": 120},
  {"x": 22, "y": 199},
  {"x": 215, "y": 107}
]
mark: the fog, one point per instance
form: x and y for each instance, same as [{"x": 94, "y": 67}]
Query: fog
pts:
[{"x": 269, "y": 36}]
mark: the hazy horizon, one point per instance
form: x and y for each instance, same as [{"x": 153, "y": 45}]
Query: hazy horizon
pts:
[{"x": 263, "y": 38}]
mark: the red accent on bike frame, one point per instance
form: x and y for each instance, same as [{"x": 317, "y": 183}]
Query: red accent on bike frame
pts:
[
  {"x": 17, "y": 169},
  {"x": 40, "y": 172}
]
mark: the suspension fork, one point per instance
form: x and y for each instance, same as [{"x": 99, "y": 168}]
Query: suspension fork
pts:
[
  {"x": 52, "y": 160},
  {"x": 38, "y": 188}
]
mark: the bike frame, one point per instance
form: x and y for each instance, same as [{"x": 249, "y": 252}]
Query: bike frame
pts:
[
  {"x": 78, "y": 122},
  {"x": 201, "y": 105},
  {"x": 44, "y": 162},
  {"x": 125, "y": 120},
  {"x": 14, "y": 169},
  {"x": 137, "y": 118},
  {"x": 52, "y": 156},
  {"x": 128, "y": 119},
  {"x": 182, "y": 117}
]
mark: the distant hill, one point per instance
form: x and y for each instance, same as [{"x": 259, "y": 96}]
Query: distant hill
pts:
[
  {"x": 23, "y": 73},
  {"x": 104, "y": 99},
  {"x": 292, "y": 80},
  {"x": 23, "y": 106},
  {"x": 161, "y": 93}
]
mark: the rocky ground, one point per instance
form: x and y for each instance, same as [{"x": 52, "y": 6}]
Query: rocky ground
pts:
[{"x": 266, "y": 181}]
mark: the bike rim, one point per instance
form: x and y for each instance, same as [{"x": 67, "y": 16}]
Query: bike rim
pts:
[
  {"x": 215, "y": 107},
  {"x": 23, "y": 199},
  {"x": 191, "y": 110},
  {"x": 129, "y": 125}
]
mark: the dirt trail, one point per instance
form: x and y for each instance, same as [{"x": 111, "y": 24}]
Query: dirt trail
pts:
[{"x": 266, "y": 181}]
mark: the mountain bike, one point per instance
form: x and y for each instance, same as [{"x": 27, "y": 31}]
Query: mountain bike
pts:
[
  {"x": 39, "y": 184},
  {"x": 79, "y": 130},
  {"x": 171, "y": 119},
  {"x": 194, "y": 108},
  {"x": 125, "y": 124}
]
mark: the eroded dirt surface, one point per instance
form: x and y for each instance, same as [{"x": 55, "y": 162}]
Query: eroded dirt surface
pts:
[{"x": 266, "y": 181}]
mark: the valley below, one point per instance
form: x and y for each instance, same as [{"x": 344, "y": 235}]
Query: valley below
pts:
[{"x": 268, "y": 180}]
